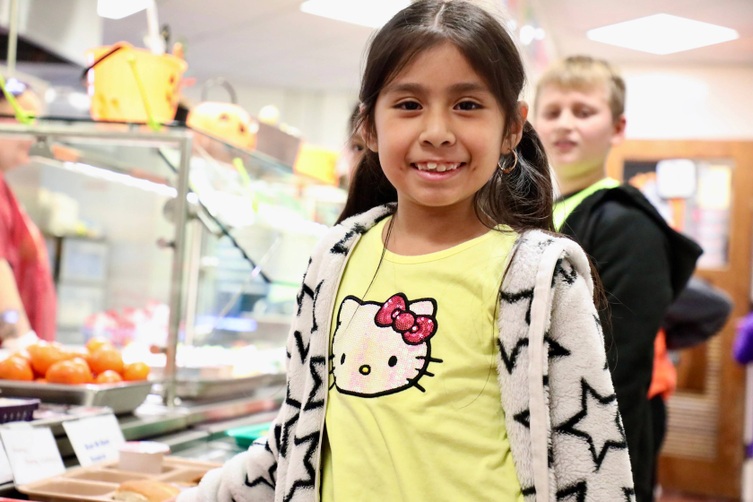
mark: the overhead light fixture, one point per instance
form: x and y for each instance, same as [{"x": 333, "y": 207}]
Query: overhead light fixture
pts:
[
  {"x": 118, "y": 9},
  {"x": 662, "y": 34},
  {"x": 371, "y": 13}
]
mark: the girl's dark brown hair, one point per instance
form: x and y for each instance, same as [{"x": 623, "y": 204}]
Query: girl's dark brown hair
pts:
[{"x": 521, "y": 199}]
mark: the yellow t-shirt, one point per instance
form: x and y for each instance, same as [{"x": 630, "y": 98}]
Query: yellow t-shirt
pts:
[{"x": 414, "y": 409}]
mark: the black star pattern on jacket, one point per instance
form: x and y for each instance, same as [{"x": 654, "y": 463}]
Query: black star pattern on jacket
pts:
[
  {"x": 555, "y": 349},
  {"x": 568, "y": 274},
  {"x": 304, "y": 291},
  {"x": 525, "y": 295},
  {"x": 303, "y": 348},
  {"x": 284, "y": 440},
  {"x": 511, "y": 358},
  {"x": 524, "y": 418},
  {"x": 311, "y": 401},
  {"x": 340, "y": 246},
  {"x": 260, "y": 481},
  {"x": 579, "y": 491},
  {"x": 574, "y": 493},
  {"x": 312, "y": 443},
  {"x": 607, "y": 432}
]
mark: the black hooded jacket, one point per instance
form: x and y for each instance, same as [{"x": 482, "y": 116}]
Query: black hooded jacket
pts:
[{"x": 643, "y": 265}]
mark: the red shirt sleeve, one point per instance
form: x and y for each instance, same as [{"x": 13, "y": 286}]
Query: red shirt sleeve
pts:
[{"x": 23, "y": 246}]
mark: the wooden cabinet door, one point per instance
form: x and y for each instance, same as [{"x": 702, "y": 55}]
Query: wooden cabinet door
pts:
[{"x": 703, "y": 449}]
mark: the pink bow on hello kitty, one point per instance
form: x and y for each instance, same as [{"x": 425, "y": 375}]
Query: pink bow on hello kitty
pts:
[{"x": 414, "y": 328}]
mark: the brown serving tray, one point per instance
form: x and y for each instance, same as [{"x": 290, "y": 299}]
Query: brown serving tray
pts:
[
  {"x": 98, "y": 482},
  {"x": 120, "y": 397}
]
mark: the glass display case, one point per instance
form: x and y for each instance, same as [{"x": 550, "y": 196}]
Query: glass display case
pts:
[{"x": 185, "y": 251}]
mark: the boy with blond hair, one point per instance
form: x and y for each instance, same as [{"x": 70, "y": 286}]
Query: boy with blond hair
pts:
[{"x": 643, "y": 264}]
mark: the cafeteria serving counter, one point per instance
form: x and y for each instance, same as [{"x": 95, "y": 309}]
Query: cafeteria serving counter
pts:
[{"x": 193, "y": 430}]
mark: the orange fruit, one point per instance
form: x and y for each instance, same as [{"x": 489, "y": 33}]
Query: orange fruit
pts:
[
  {"x": 44, "y": 354},
  {"x": 23, "y": 354},
  {"x": 105, "y": 358},
  {"x": 136, "y": 371},
  {"x": 79, "y": 360},
  {"x": 72, "y": 371},
  {"x": 96, "y": 343},
  {"x": 108, "y": 376},
  {"x": 77, "y": 352},
  {"x": 16, "y": 368}
]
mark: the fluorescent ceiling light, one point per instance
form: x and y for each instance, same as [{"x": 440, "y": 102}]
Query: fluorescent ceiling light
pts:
[
  {"x": 662, "y": 34},
  {"x": 118, "y": 9},
  {"x": 371, "y": 13}
]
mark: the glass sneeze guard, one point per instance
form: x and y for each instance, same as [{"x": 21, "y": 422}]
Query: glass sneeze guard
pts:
[{"x": 206, "y": 243}]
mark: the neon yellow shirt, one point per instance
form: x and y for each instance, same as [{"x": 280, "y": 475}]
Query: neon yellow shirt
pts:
[
  {"x": 564, "y": 207},
  {"x": 414, "y": 409}
]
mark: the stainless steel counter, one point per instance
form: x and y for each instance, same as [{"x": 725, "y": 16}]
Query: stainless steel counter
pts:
[{"x": 192, "y": 430}]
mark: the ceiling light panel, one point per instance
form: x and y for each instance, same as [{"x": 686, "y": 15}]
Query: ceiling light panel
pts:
[
  {"x": 371, "y": 13},
  {"x": 118, "y": 9},
  {"x": 662, "y": 34}
]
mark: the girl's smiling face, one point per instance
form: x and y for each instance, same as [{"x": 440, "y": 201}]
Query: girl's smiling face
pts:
[{"x": 438, "y": 130}]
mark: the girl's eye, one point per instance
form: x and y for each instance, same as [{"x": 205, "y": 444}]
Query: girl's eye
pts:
[
  {"x": 468, "y": 105},
  {"x": 408, "y": 105}
]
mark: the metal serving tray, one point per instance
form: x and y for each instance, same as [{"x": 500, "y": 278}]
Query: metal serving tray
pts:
[
  {"x": 120, "y": 397},
  {"x": 214, "y": 388}
]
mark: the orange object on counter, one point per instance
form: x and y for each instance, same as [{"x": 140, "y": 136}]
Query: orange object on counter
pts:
[
  {"x": 228, "y": 122},
  {"x": 129, "y": 84},
  {"x": 317, "y": 162},
  {"x": 105, "y": 358},
  {"x": 43, "y": 355},
  {"x": 136, "y": 371},
  {"x": 72, "y": 371},
  {"x": 97, "y": 342},
  {"x": 108, "y": 376},
  {"x": 16, "y": 368}
]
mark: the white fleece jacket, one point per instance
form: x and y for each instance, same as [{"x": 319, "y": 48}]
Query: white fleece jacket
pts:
[{"x": 563, "y": 424}]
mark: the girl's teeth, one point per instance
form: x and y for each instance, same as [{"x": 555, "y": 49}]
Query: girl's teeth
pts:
[{"x": 434, "y": 166}]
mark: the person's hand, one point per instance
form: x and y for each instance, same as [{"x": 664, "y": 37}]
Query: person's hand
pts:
[{"x": 8, "y": 324}]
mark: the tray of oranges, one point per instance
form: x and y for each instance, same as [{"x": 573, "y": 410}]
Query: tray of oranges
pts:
[
  {"x": 120, "y": 397},
  {"x": 93, "y": 376}
]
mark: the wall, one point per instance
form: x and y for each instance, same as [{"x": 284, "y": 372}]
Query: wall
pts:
[
  {"x": 322, "y": 117},
  {"x": 67, "y": 32},
  {"x": 673, "y": 103},
  {"x": 689, "y": 102}
]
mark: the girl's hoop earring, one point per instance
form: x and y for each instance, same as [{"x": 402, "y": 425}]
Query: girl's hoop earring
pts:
[{"x": 509, "y": 169}]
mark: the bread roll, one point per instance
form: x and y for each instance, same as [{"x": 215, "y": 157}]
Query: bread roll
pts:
[{"x": 145, "y": 490}]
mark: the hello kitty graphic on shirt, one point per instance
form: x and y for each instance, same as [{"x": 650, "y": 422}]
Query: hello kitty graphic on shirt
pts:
[{"x": 382, "y": 348}]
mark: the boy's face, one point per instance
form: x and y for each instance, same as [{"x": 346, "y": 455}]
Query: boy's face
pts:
[{"x": 577, "y": 129}]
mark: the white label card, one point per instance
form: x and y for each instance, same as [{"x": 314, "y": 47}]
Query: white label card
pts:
[
  {"x": 6, "y": 474},
  {"x": 94, "y": 439},
  {"x": 32, "y": 452}
]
